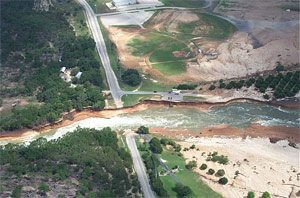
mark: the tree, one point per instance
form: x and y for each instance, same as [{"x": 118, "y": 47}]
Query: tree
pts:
[
  {"x": 220, "y": 172},
  {"x": 266, "y": 195},
  {"x": 143, "y": 130},
  {"x": 279, "y": 67},
  {"x": 155, "y": 145},
  {"x": 182, "y": 191},
  {"x": 203, "y": 167},
  {"x": 17, "y": 191},
  {"x": 43, "y": 188},
  {"x": 131, "y": 77},
  {"x": 99, "y": 105},
  {"x": 250, "y": 194},
  {"x": 212, "y": 87},
  {"x": 266, "y": 96},
  {"x": 191, "y": 165},
  {"x": 223, "y": 181},
  {"x": 211, "y": 171}
]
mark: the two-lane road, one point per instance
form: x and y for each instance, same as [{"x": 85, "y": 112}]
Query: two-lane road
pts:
[
  {"x": 139, "y": 166},
  {"x": 101, "y": 48}
]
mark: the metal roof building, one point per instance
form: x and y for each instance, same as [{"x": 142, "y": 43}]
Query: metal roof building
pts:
[{"x": 123, "y": 2}]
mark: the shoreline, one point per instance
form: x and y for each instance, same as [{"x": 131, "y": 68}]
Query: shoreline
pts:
[{"x": 109, "y": 113}]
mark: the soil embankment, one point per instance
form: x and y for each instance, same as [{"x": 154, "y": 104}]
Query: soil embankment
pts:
[{"x": 276, "y": 133}]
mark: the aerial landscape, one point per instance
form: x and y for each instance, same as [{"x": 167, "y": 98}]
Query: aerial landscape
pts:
[{"x": 150, "y": 98}]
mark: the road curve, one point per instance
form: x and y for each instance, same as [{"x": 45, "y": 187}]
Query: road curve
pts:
[
  {"x": 101, "y": 49},
  {"x": 139, "y": 166}
]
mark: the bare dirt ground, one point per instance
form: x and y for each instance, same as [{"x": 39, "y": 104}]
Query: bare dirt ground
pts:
[
  {"x": 258, "y": 10},
  {"x": 242, "y": 54},
  {"x": 262, "y": 166}
]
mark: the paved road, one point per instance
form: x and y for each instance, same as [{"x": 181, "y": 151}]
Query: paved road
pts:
[
  {"x": 112, "y": 80},
  {"x": 163, "y": 165},
  {"x": 101, "y": 48},
  {"x": 139, "y": 167}
]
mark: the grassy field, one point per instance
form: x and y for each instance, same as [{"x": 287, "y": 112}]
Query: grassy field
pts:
[
  {"x": 158, "y": 46},
  {"x": 189, "y": 178},
  {"x": 193, "y": 98},
  {"x": 217, "y": 28},
  {"x": 149, "y": 85},
  {"x": 100, "y": 6},
  {"x": 164, "y": 52},
  {"x": 133, "y": 99},
  {"x": 185, "y": 3},
  {"x": 172, "y": 68}
]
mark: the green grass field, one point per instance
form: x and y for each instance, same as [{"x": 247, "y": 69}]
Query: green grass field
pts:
[
  {"x": 100, "y": 6},
  {"x": 158, "y": 46},
  {"x": 217, "y": 28},
  {"x": 149, "y": 85},
  {"x": 193, "y": 98},
  {"x": 172, "y": 68},
  {"x": 133, "y": 99},
  {"x": 185, "y": 3},
  {"x": 164, "y": 53},
  {"x": 187, "y": 177}
]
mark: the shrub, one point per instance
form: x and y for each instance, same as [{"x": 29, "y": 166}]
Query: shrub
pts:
[
  {"x": 279, "y": 67},
  {"x": 250, "y": 194},
  {"x": 223, "y": 181},
  {"x": 211, "y": 171},
  {"x": 17, "y": 191},
  {"x": 220, "y": 173},
  {"x": 43, "y": 188},
  {"x": 266, "y": 195},
  {"x": 155, "y": 145},
  {"x": 191, "y": 165},
  {"x": 186, "y": 86},
  {"x": 193, "y": 146},
  {"x": 222, "y": 85},
  {"x": 182, "y": 191},
  {"x": 203, "y": 167},
  {"x": 212, "y": 87},
  {"x": 131, "y": 77},
  {"x": 266, "y": 96},
  {"x": 143, "y": 130}
]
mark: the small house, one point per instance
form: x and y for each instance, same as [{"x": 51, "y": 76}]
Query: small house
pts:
[
  {"x": 63, "y": 69},
  {"x": 78, "y": 75}
]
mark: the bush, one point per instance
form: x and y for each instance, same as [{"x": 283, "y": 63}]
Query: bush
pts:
[
  {"x": 266, "y": 195},
  {"x": 266, "y": 96},
  {"x": 131, "y": 77},
  {"x": 203, "y": 167},
  {"x": 220, "y": 173},
  {"x": 182, "y": 191},
  {"x": 211, "y": 171},
  {"x": 250, "y": 194},
  {"x": 279, "y": 67},
  {"x": 223, "y": 181},
  {"x": 155, "y": 145},
  {"x": 43, "y": 188},
  {"x": 17, "y": 191},
  {"x": 191, "y": 165},
  {"x": 193, "y": 146},
  {"x": 143, "y": 130},
  {"x": 212, "y": 87},
  {"x": 186, "y": 87},
  {"x": 222, "y": 85}
]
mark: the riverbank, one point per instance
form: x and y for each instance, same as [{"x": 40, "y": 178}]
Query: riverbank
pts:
[
  {"x": 254, "y": 164},
  {"x": 74, "y": 116}
]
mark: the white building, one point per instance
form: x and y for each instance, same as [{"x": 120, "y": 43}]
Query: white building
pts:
[
  {"x": 118, "y": 3},
  {"x": 78, "y": 75},
  {"x": 63, "y": 69}
]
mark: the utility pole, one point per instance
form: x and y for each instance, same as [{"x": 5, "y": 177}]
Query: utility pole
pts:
[{"x": 96, "y": 8}]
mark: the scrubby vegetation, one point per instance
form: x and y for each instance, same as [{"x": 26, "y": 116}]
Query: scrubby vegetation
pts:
[
  {"x": 90, "y": 156},
  {"x": 152, "y": 164},
  {"x": 217, "y": 158},
  {"x": 37, "y": 45},
  {"x": 281, "y": 85},
  {"x": 131, "y": 77}
]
